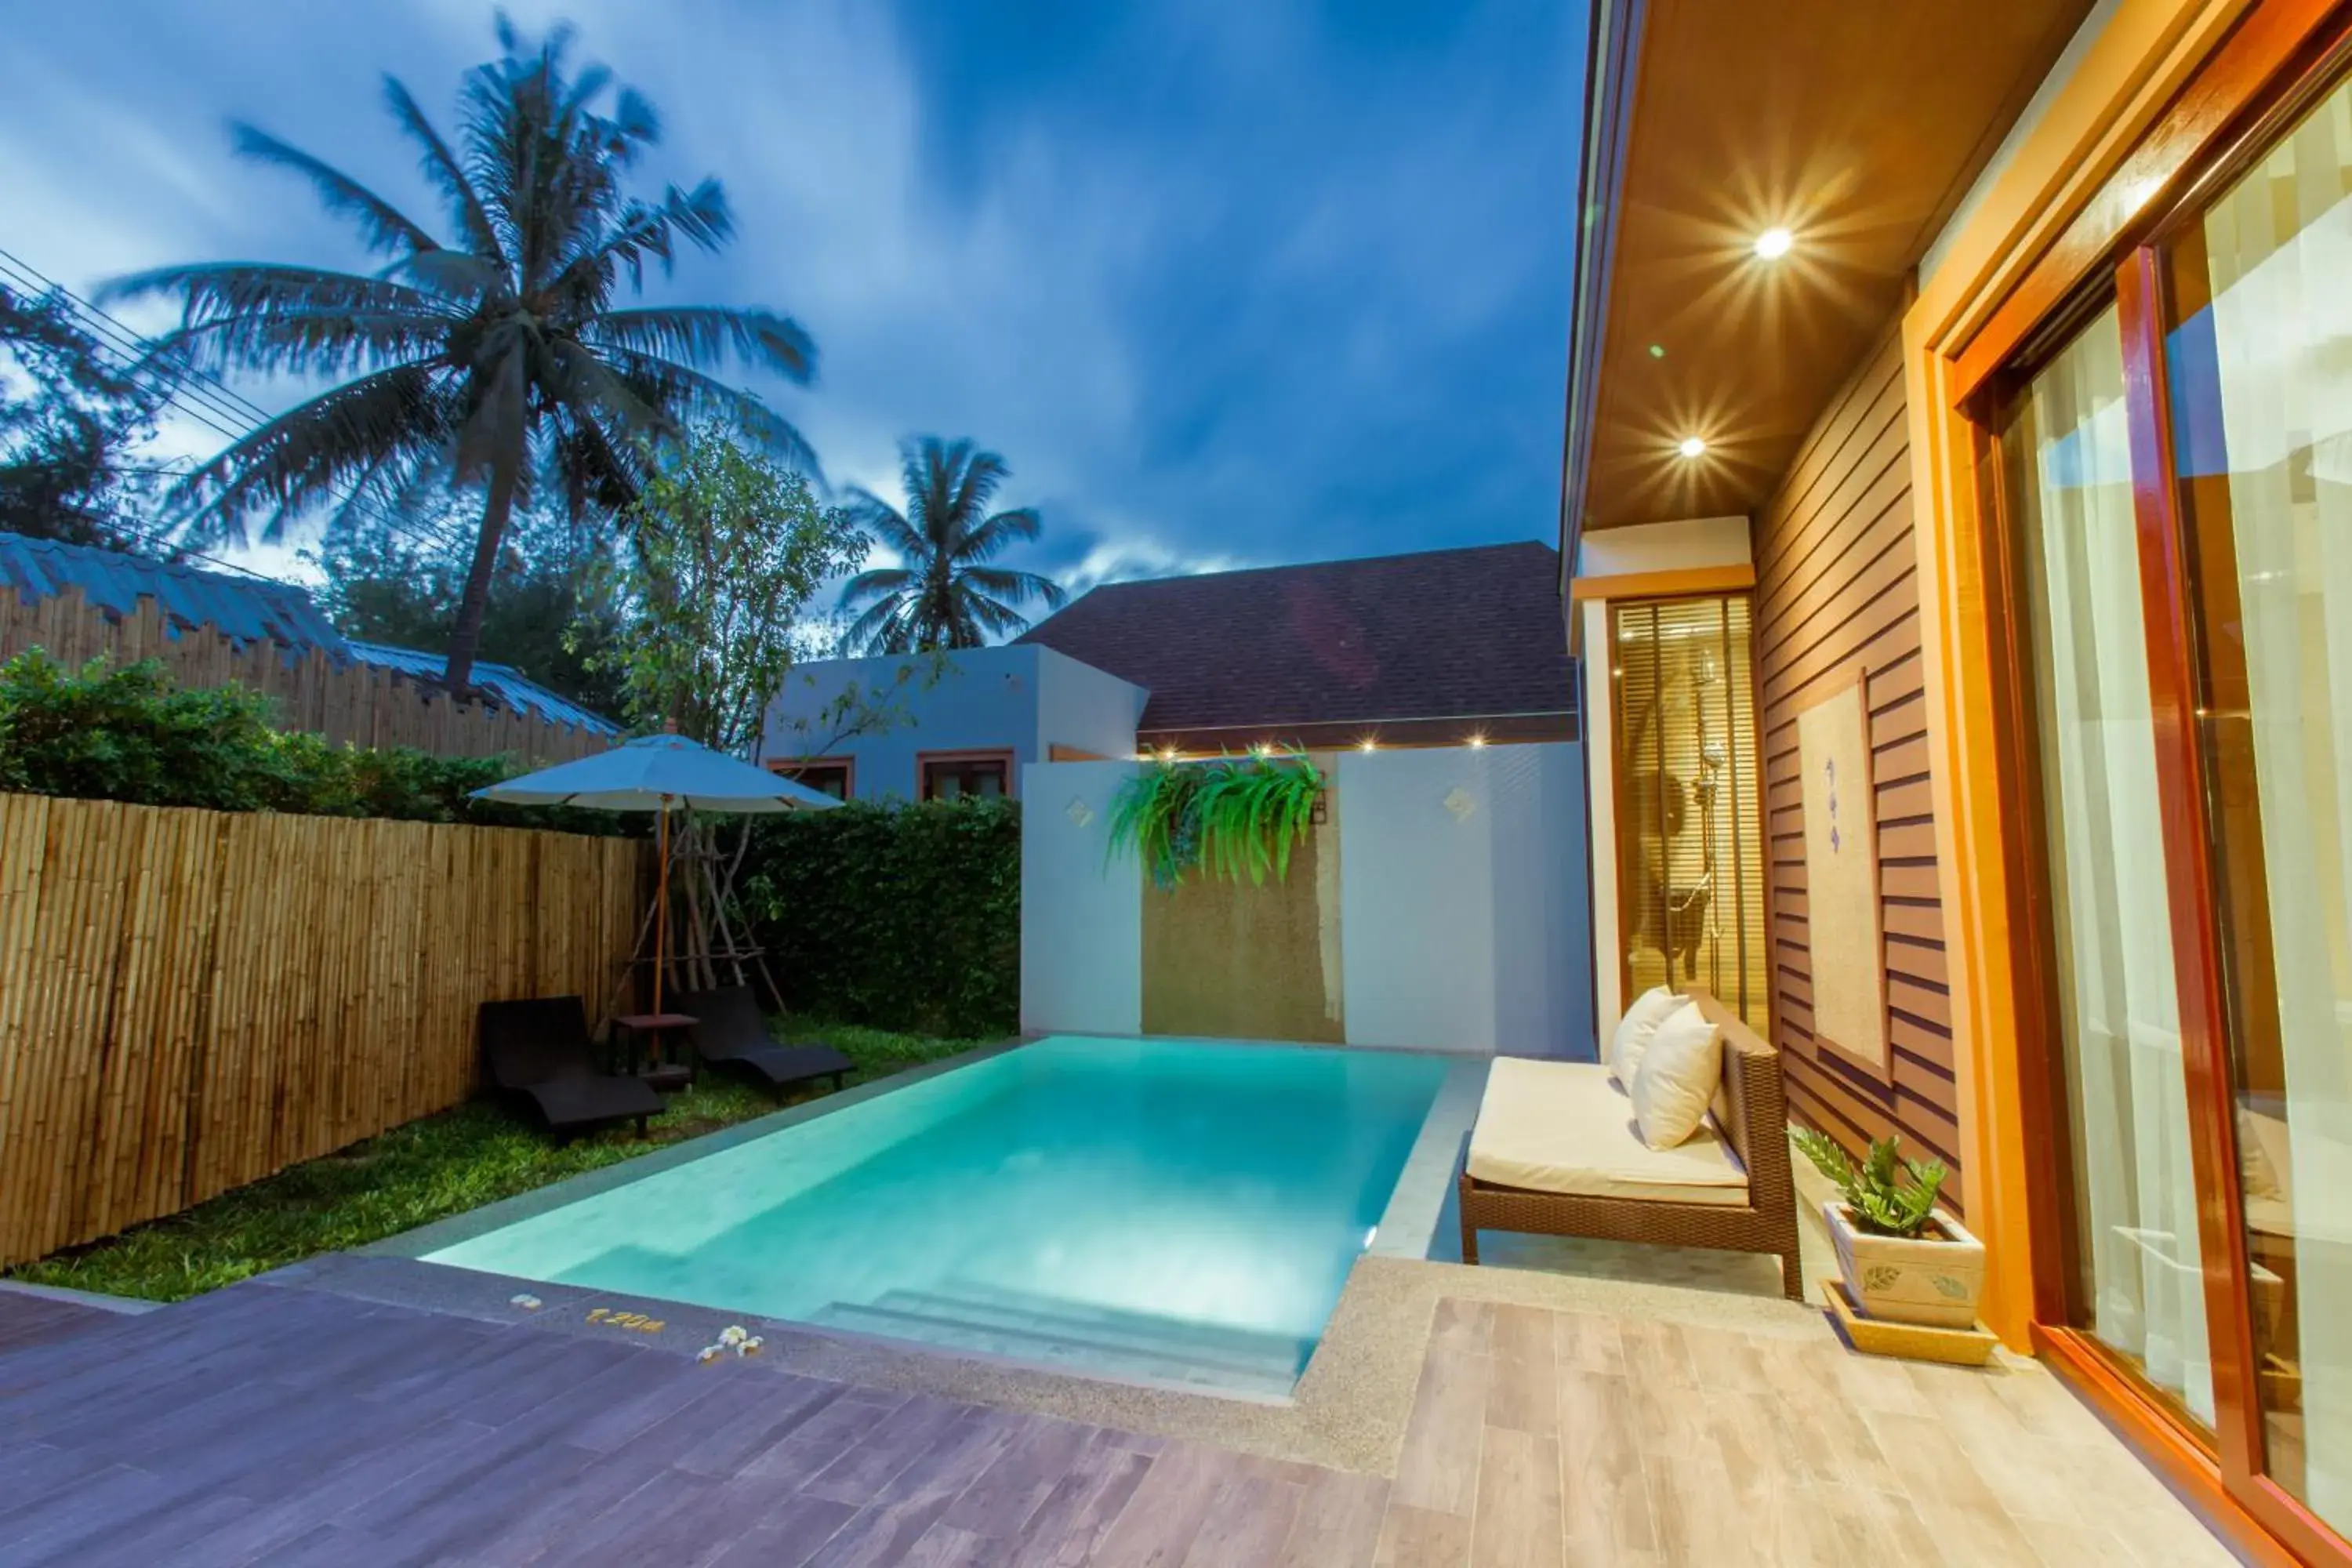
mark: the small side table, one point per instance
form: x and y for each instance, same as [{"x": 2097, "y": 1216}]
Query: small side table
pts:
[{"x": 650, "y": 1057}]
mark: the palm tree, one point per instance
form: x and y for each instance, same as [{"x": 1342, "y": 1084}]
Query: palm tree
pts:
[
  {"x": 499, "y": 362},
  {"x": 946, "y": 595}
]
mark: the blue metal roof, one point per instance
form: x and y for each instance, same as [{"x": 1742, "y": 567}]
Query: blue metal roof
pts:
[
  {"x": 501, "y": 681},
  {"x": 245, "y": 610}
]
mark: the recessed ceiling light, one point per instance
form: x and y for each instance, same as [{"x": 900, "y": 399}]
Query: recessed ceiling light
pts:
[
  {"x": 1774, "y": 243},
  {"x": 1691, "y": 447}
]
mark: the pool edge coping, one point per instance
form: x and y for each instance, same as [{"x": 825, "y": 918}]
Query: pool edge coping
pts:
[{"x": 1416, "y": 1206}]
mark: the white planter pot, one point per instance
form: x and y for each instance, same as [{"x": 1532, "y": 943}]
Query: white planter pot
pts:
[{"x": 1933, "y": 1281}]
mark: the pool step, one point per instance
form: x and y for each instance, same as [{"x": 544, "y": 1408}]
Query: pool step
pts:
[
  {"x": 1254, "y": 1346},
  {"x": 1125, "y": 1345}
]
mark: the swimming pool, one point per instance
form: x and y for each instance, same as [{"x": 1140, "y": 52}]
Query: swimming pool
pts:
[{"x": 1163, "y": 1210}]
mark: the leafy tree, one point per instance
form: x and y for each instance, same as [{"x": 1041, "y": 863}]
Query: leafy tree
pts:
[
  {"x": 730, "y": 547},
  {"x": 483, "y": 363},
  {"x": 550, "y": 613},
  {"x": 68, "y": 418},
  {"x": 946, "y": 595}
]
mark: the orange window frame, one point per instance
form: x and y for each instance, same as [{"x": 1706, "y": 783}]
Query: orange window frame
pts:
[
  {"x": 924, "y": 761},
  {"x": 791, "y": 767}
]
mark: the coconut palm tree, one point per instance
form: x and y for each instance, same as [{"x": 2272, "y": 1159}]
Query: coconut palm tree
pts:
[
  {"x": 500, "y": 363},
  {"x": 945, "y": 595}
]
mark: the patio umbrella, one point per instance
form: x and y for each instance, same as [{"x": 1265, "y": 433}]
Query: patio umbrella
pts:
[{"x": 659, "y": 773}]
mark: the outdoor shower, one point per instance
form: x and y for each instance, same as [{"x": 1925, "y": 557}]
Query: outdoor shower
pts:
[{"x": 1689, "y": 830}]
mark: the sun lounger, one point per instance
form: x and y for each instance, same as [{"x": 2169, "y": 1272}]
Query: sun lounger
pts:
[
  {"x": 538, "y": 1050},
  {"x": 1555, "y": 1153},
  {"x": 729, "y": 1033}
]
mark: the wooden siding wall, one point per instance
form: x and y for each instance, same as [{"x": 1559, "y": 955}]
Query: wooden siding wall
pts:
[
  {"x": 1837, "y": 585},
  {"x": 363, "y": 705},
  {"x": 190, "y": 1000}
]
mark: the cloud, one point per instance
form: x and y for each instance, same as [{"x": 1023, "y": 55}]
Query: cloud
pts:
[
  {"x": 1135, "y": 556},
  {"x": 1223, "y": 284}
]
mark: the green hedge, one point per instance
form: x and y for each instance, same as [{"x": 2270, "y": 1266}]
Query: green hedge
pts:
[
  {"x": 129, "y": 733},
  {"x": 901, "y": 917}
]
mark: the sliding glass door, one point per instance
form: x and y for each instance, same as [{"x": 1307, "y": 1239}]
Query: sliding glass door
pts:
[
  {"x": 2258, "y": 362},
  {"x": 2172, "y": 482},
  {"x": 2066, "y": 450}
]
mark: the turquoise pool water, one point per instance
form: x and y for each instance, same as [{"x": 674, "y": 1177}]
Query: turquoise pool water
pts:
[{"x": 1165, "y": 1210}]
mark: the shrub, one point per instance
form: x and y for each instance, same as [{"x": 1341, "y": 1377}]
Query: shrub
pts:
[
  {"x": 902, "y": 917},
  {"x": 1881, "y": 1201},
  {"x": 128, "y": 733}
]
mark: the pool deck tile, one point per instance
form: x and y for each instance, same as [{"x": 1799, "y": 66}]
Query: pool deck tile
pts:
[{"x": 288, "y": 1420}]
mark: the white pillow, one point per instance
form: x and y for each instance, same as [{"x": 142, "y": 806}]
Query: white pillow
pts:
[
  {"x": 1650, "y": 1009},
  {"x": 1677, "y": 1078}
]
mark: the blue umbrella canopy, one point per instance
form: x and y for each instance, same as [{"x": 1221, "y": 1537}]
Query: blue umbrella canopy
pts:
[{"x": 659, "y": 773}]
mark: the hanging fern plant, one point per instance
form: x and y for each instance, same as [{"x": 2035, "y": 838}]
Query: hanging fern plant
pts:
[{"x": 1234, "y": 817}]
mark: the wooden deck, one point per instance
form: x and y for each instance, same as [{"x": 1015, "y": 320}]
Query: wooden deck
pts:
[
  {"x": 285, "y": 1425},
  {"x": 29, "y": 1319}
]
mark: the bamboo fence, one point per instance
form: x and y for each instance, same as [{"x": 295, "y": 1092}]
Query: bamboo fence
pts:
[
  {"x": 191, "y": 1000},
  {"x": 364, "y": 704}
]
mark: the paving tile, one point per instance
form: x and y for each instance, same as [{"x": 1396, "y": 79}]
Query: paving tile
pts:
[
  {"x": 1248, "y": 1523},
  {"x": 1518, "y": 1522},
  {"x": 1423, "y": 1538},
  {"x": 1065, "y": 1528},
  {"x": 889, "y": 1448},
  {"x": 1338, "y": 1523},
  {"x": 1437, "y": 1468}
]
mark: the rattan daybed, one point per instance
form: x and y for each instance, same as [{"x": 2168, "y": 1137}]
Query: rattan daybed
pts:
[{"x": 1693, "y": 1196}]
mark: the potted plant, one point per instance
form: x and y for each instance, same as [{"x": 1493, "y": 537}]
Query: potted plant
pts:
[{"x": 1903, "y": 1260}]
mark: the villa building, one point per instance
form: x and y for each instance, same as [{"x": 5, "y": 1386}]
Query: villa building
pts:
[
  {"x": 1958, "y": 502},
  {"x": 1438, "y": 648}
]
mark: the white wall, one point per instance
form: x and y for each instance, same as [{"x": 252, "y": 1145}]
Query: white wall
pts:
[
  {"x": 1462, "y": 903},
  {"x": 1664, "y": 546},
  {"x": 1463, "y": 927},
  {"x": 1081, "y": 910},
  {"x": 1018, "y": 697},
  {"x": 1600, "y": 771},
  {"x": 1086, "y": 708}
]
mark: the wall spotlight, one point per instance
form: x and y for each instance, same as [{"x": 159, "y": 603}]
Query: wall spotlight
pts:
[
  {"x": 1477, "y": 739},
  {"x": 1368, "y": 745},
  {"x": 1774, "y": 243},
  {"x": 1691, "y": 447}
]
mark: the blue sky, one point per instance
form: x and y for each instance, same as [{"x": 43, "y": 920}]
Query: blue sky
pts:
[{"x": 1227, "y": 283}]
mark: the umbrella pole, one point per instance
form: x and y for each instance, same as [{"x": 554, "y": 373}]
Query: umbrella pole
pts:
[{"x": 661, "y": 905}]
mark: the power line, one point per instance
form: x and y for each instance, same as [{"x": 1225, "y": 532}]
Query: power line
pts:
[
  {"x": 190, "y": 389},
  {"x": 189, "y": 384}
]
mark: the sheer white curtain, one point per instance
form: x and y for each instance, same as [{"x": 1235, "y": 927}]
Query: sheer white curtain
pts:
[
  {"x": 2137, "y": 1201},
  {"x": 2279, "y": 250}
]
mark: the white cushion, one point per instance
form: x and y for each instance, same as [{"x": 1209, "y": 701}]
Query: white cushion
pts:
[
  {"x": 1650, "y": 1009},
  {"x": 1563, "y": 1127},
  {"x": 1678, "y": 1076}
]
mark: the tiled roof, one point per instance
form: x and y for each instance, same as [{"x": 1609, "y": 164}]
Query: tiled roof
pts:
[
  {"x": 243, "y": 609},
  {"x": 1442, "y": 634},
  {"x": 502, "y": 681}
]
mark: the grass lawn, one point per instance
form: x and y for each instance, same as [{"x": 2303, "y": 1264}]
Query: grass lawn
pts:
[{"x": 424, "y": 1170}]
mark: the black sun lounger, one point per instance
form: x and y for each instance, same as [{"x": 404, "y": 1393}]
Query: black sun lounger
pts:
[
  {"x": 538, "y": 1050},
  {"x": 729, "y": 1033}
]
